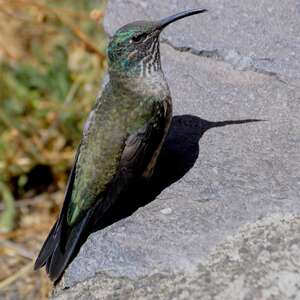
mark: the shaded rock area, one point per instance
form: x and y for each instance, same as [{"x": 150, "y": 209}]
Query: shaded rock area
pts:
[{"x": 220, "y": 218}]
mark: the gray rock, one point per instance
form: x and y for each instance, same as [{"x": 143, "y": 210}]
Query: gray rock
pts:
[
  {"x": 260, "y": 262},
  {"x": 215, "y": 231}
]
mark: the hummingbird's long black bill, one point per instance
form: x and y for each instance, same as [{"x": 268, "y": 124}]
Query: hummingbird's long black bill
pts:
[{"x": 168, "y": 20}]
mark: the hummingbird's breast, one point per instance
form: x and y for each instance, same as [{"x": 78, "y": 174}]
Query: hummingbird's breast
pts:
[{"x": 153, "y": 87}]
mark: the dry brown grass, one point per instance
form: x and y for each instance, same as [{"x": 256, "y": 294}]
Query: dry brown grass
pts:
[{"x": 19, "y": 248}]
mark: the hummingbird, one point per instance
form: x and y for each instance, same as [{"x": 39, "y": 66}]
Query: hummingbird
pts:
[{"x": 121, "y": 139}]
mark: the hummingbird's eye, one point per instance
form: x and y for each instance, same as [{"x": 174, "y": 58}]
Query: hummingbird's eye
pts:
[{"x": 138, "y": 38}]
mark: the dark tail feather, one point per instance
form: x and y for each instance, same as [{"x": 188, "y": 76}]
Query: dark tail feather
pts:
[
  {"x": 48, "y": 247},
  {"x": 64, "y": 241},
  {"x": 55, "y": 238},
  {"x": 64, "y": 250}
]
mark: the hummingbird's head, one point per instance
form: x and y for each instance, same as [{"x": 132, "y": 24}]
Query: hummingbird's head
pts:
[{"x": 134, "y": 48}]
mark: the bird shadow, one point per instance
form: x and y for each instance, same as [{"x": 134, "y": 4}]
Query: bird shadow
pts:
[{"x": 178, "y": 155}]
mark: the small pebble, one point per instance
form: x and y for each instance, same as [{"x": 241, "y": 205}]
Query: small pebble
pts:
[{"x": 166, "y": 211}]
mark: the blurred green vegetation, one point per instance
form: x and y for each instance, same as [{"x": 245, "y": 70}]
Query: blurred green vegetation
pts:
[{"x": 51, "y": 64}]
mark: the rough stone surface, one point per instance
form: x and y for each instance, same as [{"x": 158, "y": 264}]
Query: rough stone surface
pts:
[
  {"x": 228, "y": 226},
  {"x": 260, "y": 262}
]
